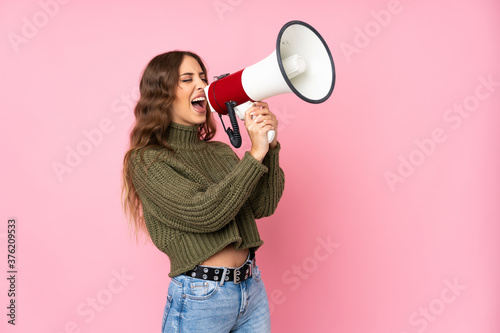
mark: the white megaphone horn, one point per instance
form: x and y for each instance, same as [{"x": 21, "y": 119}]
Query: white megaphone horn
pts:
[{"x": 302, "y": 64}]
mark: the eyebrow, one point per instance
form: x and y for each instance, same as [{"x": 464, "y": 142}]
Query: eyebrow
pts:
[{"x": 201, "y": 73}]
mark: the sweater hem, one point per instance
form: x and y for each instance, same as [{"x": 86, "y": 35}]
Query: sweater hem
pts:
[{"x": 199, "y": 260}]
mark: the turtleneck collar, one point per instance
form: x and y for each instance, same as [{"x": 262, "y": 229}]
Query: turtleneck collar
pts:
[{"x": 184, "y": 136}]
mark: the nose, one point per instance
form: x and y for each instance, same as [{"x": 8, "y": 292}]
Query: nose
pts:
[{"x": 200, "y": 84}]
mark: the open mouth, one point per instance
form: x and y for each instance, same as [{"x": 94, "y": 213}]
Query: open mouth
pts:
[{"x": 199, "y": 104}]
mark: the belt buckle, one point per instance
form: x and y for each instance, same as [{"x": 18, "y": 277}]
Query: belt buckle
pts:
[{"x": 246, "y": 269}]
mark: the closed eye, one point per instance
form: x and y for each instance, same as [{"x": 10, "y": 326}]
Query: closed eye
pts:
[
  {"x": 189, "y": 76},
  {"x": 189, "y": 80}
]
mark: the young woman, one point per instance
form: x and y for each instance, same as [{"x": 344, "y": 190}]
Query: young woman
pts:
[{"x": 198, "y": 201}]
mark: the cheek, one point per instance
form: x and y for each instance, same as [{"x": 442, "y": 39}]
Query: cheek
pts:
[
  {"x": 182, "y": 96},
  {"x": 179, "y": 92},
  {"x": 180, "y": 99}
]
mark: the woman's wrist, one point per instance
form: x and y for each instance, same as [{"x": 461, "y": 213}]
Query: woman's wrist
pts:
[{"x": 258, "y": 155}]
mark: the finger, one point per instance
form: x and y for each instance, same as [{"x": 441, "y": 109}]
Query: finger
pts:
[
  {"x": 262, "y": 126},
  {"x": 263, "y": 116},
  {"x": 264, "y": 113},
  {"x": 270, "y": 122},
  {"x": 257, "y": 123},
  {"x": 261, "y": 104},
  {"x": 260, "y": 117},
  {"x": 248, "y": 117},
  {"x": 253, "y": 111},
  {"x": 250, "y": 114}
]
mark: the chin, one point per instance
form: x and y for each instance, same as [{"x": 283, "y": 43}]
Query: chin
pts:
[
  {"x": 197, "y": 121},
  {"x": 200, "y": 118}
]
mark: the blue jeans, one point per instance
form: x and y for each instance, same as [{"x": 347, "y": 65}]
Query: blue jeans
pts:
[{"x": 196, "y": 305}]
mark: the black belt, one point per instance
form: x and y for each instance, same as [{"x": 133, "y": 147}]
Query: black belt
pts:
[{"x": 236, "y": 275}]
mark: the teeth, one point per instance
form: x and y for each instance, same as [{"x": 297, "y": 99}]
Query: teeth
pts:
[{"x": 198, "y": 99}]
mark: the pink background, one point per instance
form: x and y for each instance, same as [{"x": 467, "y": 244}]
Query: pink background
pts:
[{"x": 418, "y": 253}]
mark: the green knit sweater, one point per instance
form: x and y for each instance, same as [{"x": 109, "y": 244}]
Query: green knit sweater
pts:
[{"x": 200, "y": 197}]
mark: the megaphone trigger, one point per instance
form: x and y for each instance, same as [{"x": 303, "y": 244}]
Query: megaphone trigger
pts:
[{"x": 242, "y": 108}]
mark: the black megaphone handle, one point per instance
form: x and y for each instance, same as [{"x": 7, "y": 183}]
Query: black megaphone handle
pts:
[{"x": 234, "y": 133}]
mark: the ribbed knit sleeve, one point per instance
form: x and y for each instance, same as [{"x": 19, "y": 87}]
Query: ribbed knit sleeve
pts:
[
  {"x": 178, "y": 197},
  {"x": 266, "y": 195}
]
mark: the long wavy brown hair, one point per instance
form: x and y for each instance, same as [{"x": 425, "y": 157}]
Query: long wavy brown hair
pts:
[{"x": 152, "y": 119}]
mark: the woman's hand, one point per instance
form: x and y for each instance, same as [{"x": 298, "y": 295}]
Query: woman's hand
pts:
[{"x": 259, "y": 120}]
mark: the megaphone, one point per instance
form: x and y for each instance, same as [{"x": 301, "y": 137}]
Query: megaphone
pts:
[{"x": 302, "y": 64}]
